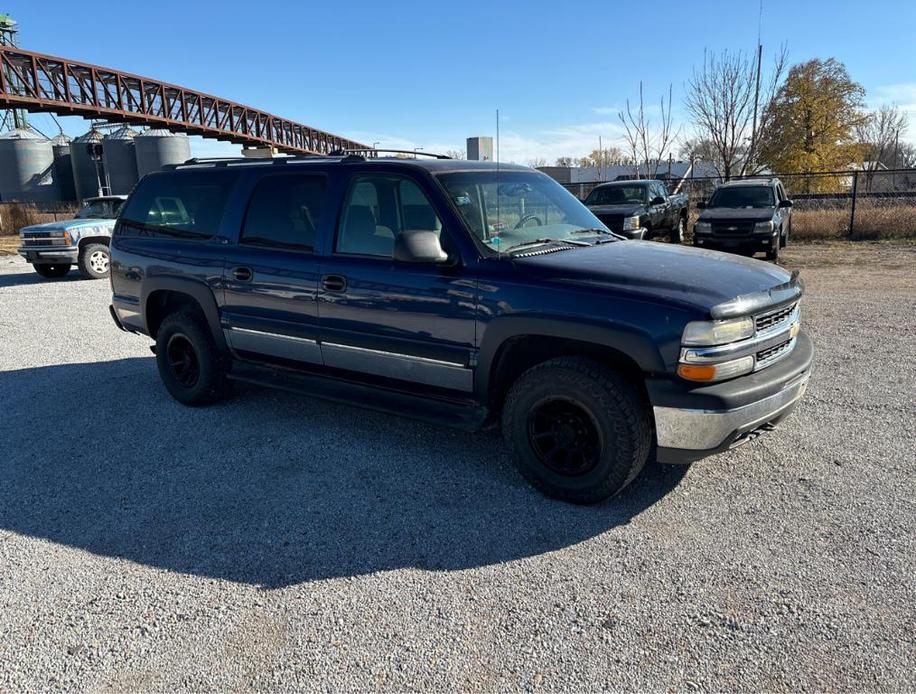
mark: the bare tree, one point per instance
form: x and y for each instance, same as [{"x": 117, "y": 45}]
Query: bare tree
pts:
[
  {"x": 721, "y": 98},
  {"x": 601, "y": 159},
  {"x": 455, "y": 154},
  {"x": 878, "y": 135},
  {"x": 537, "y": 162},
  {"x": 647, "y": 143},
  {"x": 565, "y": 161}
]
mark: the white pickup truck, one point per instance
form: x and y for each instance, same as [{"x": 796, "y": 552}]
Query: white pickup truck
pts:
[{"x": 53, "y": 248}]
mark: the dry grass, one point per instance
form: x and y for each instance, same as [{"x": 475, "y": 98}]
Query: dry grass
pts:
[
  {"x": 15, "y": 215},
  {"x": 873, "y": 223}
]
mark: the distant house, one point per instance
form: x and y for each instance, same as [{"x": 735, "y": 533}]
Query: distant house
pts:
[
  {"x": 871, "y": 177},
  {"x": 587, "y": 176}
]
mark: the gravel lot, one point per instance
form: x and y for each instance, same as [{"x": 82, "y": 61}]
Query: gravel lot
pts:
[{"x": 276, "y": 542}]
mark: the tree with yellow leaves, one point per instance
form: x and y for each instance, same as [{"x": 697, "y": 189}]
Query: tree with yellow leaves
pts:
[{"x": 813, "y": 120}]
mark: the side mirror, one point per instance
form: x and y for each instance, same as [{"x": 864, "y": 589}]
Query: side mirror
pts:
[
  {"x": 785, "y": 203},
  {"x": 701, "y": 204},
  {"x": 658, "y": 200},
  {"x": 419, "y": 247}
]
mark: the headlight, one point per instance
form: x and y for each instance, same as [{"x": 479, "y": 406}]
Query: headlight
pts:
[
  {"x": 716, "y": 372},
  {"x": 703, "y": 228},
  {"x": 630, "y": 223},
  {"x": 763, "y": 227},
  {"x": 718, "y": 332}
]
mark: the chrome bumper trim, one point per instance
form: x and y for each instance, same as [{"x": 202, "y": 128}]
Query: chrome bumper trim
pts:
[{"x": 701, "y": 430}]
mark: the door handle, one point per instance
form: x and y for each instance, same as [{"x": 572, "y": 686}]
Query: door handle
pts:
[
  {"x": 242, "y": 274},
  {"x": 334, "y": 283}
]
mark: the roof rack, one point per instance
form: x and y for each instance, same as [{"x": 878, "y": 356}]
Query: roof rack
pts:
[{"x": 370, "y": 152}]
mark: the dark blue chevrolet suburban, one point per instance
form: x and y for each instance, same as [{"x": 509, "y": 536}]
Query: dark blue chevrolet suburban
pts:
[{"x": 459, "y": 292}]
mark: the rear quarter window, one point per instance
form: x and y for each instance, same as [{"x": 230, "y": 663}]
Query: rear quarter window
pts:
[{"x": 186, "y": 205}]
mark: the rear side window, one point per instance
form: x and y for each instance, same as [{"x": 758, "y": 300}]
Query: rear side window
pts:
[
  {"x": 284, "y": 212},
  {"x": 182, "y": 205}
]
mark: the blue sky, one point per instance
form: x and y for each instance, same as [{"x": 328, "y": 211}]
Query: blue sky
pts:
[{"x": 432, "y": 73}]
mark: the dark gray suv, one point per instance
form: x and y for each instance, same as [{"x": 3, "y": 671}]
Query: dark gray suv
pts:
[{"x": 748, "y": 216}]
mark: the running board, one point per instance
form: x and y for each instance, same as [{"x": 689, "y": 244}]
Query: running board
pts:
[{"x": 465, "y": 415}]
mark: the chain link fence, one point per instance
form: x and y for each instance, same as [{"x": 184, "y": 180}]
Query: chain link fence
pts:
[
  {"x": 15, "y": 215},
  {"x": 852, "y": 204}
]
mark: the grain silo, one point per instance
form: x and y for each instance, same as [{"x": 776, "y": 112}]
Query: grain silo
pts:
[
  {"x": 63, "y": 168},
  {"x": 26, "y": 167},
  {"x": 157, "y": 148},
  {"x": 120, "y": 160},
  {"x": 89, "y": 177}
]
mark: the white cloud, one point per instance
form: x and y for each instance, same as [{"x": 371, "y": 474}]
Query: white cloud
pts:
[
  {"x": 518, "y": 145},
  {"x": 903, "y": 96}
]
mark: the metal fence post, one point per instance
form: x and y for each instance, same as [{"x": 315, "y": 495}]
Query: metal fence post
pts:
[{"x": 852, "y": 213}]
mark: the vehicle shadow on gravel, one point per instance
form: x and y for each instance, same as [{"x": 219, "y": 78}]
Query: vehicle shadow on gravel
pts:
[
  {"x": 268, "y": 489},
  {"x": 28, "y": 278}
]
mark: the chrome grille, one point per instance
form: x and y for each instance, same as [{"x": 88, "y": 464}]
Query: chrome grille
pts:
[
  {"x": 767, "y": 356},
  {"x": 767, "y": 321},
  {"x": 41, "y": 238}
]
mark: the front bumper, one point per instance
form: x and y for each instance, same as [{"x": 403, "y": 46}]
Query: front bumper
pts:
[
  {"x": 49, "y": 255},
  {"x": 759, "y": 242},
  {"x": 694, "y": 422}
]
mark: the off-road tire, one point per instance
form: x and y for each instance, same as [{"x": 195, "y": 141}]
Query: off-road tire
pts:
[
  {"x": 183, "y": 340},
  {"x": 52, "y": 271},
  {"x": 678, "y": 231},
  {"x": 94, "y": 261},
  {"x": 773, "y": 251},
  {"x": 614, "y": 407}
]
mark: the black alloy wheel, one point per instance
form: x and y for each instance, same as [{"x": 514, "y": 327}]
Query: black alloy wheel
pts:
[
  {"x": 564, "y": 436},
  {"x": 183, "y": 361}
]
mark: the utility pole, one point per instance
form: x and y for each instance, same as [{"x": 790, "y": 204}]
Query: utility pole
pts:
[{"x": 750, "y": 154}]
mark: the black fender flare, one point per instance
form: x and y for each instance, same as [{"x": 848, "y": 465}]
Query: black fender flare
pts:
[
  {"x": 637, "y": 346},
  {"x": 199, "y": 291}
]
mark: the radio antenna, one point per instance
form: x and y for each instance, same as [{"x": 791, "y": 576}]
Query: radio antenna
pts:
[{"x": 498, "y": 220}]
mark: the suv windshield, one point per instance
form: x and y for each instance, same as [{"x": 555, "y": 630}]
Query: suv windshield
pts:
[
  {"x": 518, "y": 207},
  {"x": 100, "y": 209},
  {"x": 742, "y": 196},
  {"x": 617, "y": 195}
]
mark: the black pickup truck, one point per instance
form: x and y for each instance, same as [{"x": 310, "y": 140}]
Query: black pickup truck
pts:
[
  {"x": 746, "y": 216},
  {"x": 461, "y": 293},
  {"x": 640, "y": 209}
]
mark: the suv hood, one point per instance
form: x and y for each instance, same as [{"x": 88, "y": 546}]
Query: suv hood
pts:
[
  {"x": 757, "y": 213},
  {"x": 689, "y": 277},
  {"x": 69, "y": 225},
  {"x": 627, "y": 210}
]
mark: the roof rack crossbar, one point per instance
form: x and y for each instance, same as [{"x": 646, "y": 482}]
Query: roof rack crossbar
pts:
[{"x": 371, "y": 152}]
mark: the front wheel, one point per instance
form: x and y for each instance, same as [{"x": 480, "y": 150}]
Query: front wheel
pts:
[
  {"x": 677, "y": 233},
  {"x": 773, "y": 251},
  {"x": 52, "y": 271},
  {"x": 94, "y": 261},
  {"x": 579, "y": 431}
]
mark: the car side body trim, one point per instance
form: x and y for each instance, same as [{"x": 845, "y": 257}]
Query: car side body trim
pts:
[{"x": 405, "y": 367}]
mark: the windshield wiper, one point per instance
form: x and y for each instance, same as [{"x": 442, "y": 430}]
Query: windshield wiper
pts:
[
  {"x": 591, "y": 231},
  {"x": 542, "y": 242}
]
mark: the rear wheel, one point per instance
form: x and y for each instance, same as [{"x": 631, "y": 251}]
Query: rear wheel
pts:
[
  {"x": 579, "y": 431},
  {"x": 191, "y": 366},
  {"x": 94, "y": 261},
  {"x": 677, "y": 233},
  {"x": 51, "y": 271}
]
